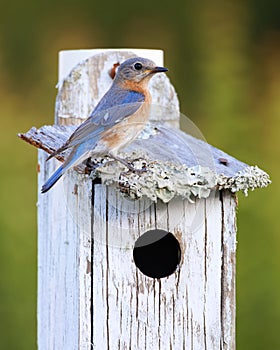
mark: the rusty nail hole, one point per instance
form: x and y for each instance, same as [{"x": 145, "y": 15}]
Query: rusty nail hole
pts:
[
  {"x": 112, "y": 71},
  {"x": 88, "y": 266},
  {"x": 223, "y": 161}
]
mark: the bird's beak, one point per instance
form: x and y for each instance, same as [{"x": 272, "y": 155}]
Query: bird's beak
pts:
[{"x": 159, "y": 70}]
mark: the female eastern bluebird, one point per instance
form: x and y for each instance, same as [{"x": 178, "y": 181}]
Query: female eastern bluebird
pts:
[{"x": 117, "y": 119}]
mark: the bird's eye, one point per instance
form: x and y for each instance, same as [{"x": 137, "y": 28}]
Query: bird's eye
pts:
[{"x": 138, "y": 66}]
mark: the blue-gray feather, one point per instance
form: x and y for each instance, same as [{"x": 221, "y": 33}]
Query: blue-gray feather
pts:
[
  {"x": 76, "y": 153},
  {"x": 117, "y": 96},
  {"x": 106, "y": 114},
  {"x": 115, "y": 105},
  {"x": 53, "y": 179}
]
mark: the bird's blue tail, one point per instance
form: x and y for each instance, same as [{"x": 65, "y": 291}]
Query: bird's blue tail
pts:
[
  {"x": 53, "y": 179},
  {"x": 74, "y": 158}
]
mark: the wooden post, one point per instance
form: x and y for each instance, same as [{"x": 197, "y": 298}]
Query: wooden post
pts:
[{"x": 91, "y": 295}]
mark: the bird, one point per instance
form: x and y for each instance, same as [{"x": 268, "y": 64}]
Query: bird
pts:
[{"x": 115, "y": 122}]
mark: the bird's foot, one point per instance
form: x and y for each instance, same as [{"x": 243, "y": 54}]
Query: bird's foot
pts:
[
  {"x": 129, "y": 163},
  {"x": 91, "y": 165}
]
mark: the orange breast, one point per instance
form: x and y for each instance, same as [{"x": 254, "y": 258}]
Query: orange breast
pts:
[{"x": 123, "y": 133}]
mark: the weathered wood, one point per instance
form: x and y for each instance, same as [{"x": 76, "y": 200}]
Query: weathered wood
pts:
[
  {"x": 48, "y": 138},
  {"x": 64, "y": 261},
  {"x": 178, "y": 164},
  {"x": 229, "y": 204},
  {"x": 92, "y": 296},
  {"x": 191, "y": 309}
]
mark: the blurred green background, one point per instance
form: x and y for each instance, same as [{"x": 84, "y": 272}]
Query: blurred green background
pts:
[{"x": 223, "y": 58}]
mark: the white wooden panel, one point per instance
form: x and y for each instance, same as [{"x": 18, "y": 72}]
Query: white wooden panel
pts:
[
  {"x": 64, "y": 260},
  {"x": 182, "y": 311}
]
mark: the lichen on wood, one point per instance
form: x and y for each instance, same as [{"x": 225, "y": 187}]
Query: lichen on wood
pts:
[
  {"x": 166, "y": 180},
  {"x": 158, "y": 179},
  {"x": 250, "y": 178}
]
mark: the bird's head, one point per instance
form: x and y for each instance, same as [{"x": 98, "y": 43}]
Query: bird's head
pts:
[{"x": 137, "y": 70}]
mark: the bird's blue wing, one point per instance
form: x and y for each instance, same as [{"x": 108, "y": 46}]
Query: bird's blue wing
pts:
[{"x": 113, "y": 107}]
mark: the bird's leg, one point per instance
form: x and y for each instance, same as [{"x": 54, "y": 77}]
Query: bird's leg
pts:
[
  {"x": 127, "y": 163},
  {"x": 135, "y": 159},
  {"x": 90, "y": 164}
]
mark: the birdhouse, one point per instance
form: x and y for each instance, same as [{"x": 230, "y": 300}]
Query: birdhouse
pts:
[{"x": 136, "y": 259}]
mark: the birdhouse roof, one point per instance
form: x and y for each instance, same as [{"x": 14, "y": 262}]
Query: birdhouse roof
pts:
[{"x": 174, "y": 163}]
